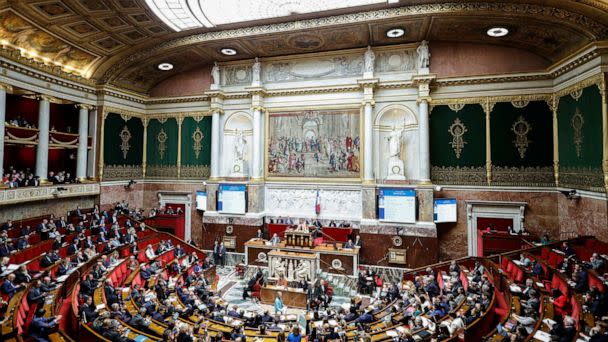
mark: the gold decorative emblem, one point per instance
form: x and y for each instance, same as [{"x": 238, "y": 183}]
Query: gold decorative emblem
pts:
[
  {"x": 577, "y": 123},
  {"x": 521, "y": 128},
  {"x": 125, "y": 136},
  {"x": 161, "y": 137},
  {"x": 456, "y": 107},
  {"x": 197, "y": 136},
  {"x": 457, "y": 130}
]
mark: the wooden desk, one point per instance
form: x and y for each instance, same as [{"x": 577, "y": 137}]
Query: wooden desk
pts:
[
  {"x": 291, "y": 297},
  {"x": 346, "y": 260}
]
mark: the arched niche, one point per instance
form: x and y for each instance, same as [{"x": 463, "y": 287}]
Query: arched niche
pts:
[
  {"x": 243, "y": 122},
  {"x": 402, "y": 118}
]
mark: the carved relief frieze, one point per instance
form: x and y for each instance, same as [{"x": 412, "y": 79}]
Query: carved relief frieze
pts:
[
  {"x": 587, "y": 178},
  {"x": 236, "y": 75},
  {"x": 301, "y": 202},
  {"x": 161, "y": 171},
  {"x": 316, "y": 68}
]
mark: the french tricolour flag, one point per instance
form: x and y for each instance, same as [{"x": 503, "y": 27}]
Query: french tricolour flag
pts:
[{"x": 317, "y": 204}]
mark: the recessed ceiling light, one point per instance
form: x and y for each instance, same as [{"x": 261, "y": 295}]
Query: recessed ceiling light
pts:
[
  {"x": 395, "y": 32},
  {"x": 165, "y": 66},
  {"x": 498, "y": 32},
  {"x": 228, "y": 51}
]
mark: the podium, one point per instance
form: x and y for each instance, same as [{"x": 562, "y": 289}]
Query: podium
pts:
[{"x": 296, "y": 238}]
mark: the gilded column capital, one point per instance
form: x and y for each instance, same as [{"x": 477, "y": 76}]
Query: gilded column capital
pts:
[
  {"x": 145, "y": 122},
  {"x": 420, "y": 99},
  {"x": 371, "y": 102},
  {"x": 488, "y": 106},
  {"x": 220, "y": 111},
  {"x": 6, "y": 87},
  {"x": 260, "y": 108},
  {"x": 180, "y": 120},
  {"x": 83, "y": 106},
  {"x": 48, "y": 98}
]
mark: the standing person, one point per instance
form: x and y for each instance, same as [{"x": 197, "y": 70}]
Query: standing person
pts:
[
  {"x": 222, "y": 254},
  {"x": 294, "y": 335},
  {"x": 278, "y": 304},
  {"x": 216, "y": 252}
]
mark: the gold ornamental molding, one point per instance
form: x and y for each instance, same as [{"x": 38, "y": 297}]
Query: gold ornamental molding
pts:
[
  {"x": 579, "y": 86},
  {"x": 124, "y": 113}
]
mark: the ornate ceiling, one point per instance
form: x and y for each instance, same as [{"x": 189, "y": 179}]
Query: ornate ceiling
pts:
[{"x": 120, "y": 42}]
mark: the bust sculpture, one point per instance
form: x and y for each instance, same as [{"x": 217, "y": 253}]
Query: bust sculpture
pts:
[
  {"x": 368, "y": 58},
  {"x": 423, "y": 55},
  {"x": 256, "y": 70}
]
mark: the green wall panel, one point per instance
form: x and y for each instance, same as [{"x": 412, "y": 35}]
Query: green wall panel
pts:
[
  {"x": 113, "y": 154},
  {"x": 474, "y": 150},
  {"x": 190, "y": 155},
  {"x": 580, "y": 148},
  {"x": 580, "y": 140},
  {"x": 159, "y": 153},
  {"x": 539, "y": 150}
]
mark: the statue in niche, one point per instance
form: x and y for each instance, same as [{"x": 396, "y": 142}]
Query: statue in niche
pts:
[
  {"x": 215, "y": 74},
  {"x": 239, "y": 154},
  {"x": 424, "y": 56},
  {"x": 256, "y": 70},
  {"x": 369, "y": 57},
  {"x": 395, "y": 164}
]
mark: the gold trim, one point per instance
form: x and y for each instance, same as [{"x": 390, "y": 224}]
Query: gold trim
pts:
[
  {"x": 488, "y": 106},
  {"x": 179, "y": 120},
  {"x": 122, "y": 112},
  {"x": 604, "y": 93},
  {"x": 553, "y": 106},
  {"x": 595, "y": 79},
  {"x": 521, "y": 128},
  {"x": 144, "y": 158}
]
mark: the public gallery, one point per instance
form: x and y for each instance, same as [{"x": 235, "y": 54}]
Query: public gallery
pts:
[{"x": 303, "y": 170}]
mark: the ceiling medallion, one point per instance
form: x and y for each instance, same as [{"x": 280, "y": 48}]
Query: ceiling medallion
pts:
[
  {"x": 395, "y": 32},
  {"x": 125, "y": 136},
  {"x": 197, "y": 137},
  {"x": 521, "y": 128},
  {"x": 497, "y": 32},
  {"x": 577, "y": 123},
  {"x": 161, "y": 137},
  {"x": 228, "y": 51},
  {"x": 520, "y": 103},
  {"x": 165, "y": 66},
  {"x": 457, "y": 130},
  {"x": 305, "y": 42}
]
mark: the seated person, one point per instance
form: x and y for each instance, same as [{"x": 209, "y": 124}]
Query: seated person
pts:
[{"x": 41, "y": 326}]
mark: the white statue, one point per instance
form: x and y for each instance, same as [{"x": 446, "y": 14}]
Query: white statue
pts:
[
  {"x": 424, "y": 55},
  {"x": 369, "y": 58},
  {"x": 394, "y": 142},
  {"x": 395, "y": 170},
  {"x": 215, "y": 73},
  {"x": 303, "y": 270},
  {"x": 278, "y": 267},
  {"x": 256, "y": 71},
  {"x": 239, "y": 145}
]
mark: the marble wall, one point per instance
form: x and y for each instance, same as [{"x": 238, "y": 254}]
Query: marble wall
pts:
[
  {"x": 58, "y": 207},
  {"x": 541, "y": 216},
  {"x": 116, "y": 192},
  {"x": 584, "y": 216}
]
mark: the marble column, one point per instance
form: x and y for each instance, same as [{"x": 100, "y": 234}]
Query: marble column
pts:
[
  {"x": 42, "y": 152},
  {"x": 92, "y": 152},
  {"x": 215, "y": 144},
  {"x": 423, "y": 147},
  {"x": 368, "y": 173},
  {"x": 257, "y": 122},
  {"x": 83, "y": 138},
  {"x": 3, "y": 89}
]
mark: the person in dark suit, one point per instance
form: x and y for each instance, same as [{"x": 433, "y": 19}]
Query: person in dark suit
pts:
[
  {"x": 87, "y": 311},
  {"x": 47, "y": 285},
  {"x": 46, "y": 261},
  {"x": 6, "y": 249},
  {"x": 178, "y": 252},
  {"x": 22, "y": 276},
  {"x": 22, "y": 243},
  {"x": 8, "y": 225},
  {"x": 358, "y": 242},
  {"x": 40, "y": 326},
  {"x": 55, "y": 255},
  {"x": 61, "y": 223},
  {"x": 35, "y": 294},
  {"x": 73, "y": 248},
  {"x": 25, "y": 231},
  {"x": 88, "y": 285},
  {"x": 110, "y": 292},
  {"x": 8, "y": 286},
  {"x": 64, "y": 268},
  {"x": 563, "y": 331}
]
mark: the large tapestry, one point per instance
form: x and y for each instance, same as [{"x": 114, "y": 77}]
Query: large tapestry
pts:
[{"x": 316, "y": 143}]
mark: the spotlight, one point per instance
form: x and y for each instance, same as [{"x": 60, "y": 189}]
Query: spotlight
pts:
[
  {"x": 228, "y": 51},
  {"x": 497, "y": 32},
  {"x": 165, "y": 66},
  {"x": 395, "y": 32}
]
